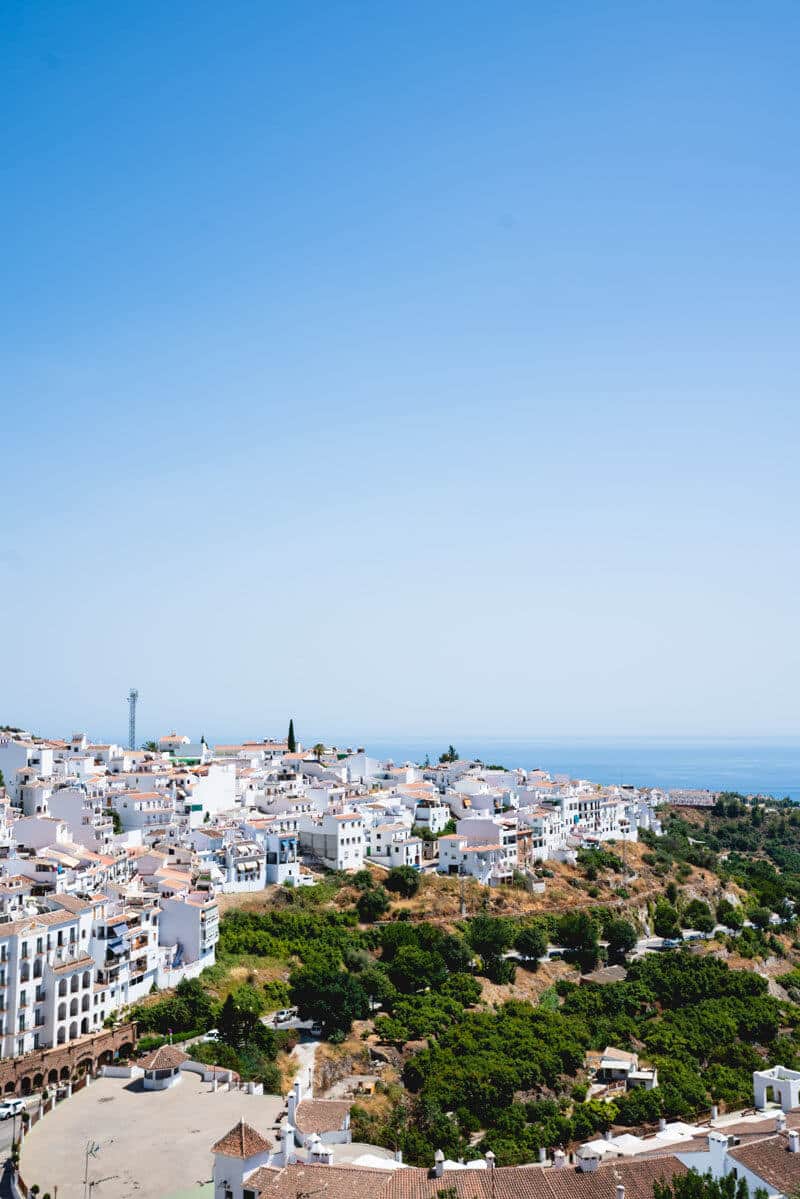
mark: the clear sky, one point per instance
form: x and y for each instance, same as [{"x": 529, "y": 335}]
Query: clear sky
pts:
[{"x": 424, "y": 368}]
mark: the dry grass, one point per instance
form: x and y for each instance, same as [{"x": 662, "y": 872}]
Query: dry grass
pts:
[
  {"x": 529, "y": 984},
  {"x": 288, "y": 1066},
  {"x": 333, "y": 1062}
]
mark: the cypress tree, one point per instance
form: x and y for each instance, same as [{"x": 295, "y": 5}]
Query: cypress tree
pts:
[{"x": 291, "y": 740}]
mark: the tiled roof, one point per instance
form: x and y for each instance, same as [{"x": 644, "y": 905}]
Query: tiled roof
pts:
[
  {"x": 339, "y": 1182},
  {"x": 321, "y": 1115},
  {"x": 242, "y": 1141},
  {"x": 772, "y": 1161},
  {"x": 512, "y": 1182},
  {"x": 166, "y": 1057},
  {"x": 532, "y": 1182}
]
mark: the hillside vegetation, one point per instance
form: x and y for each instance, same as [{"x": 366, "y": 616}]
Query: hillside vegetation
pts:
[{"x": 488, "y": 1046}]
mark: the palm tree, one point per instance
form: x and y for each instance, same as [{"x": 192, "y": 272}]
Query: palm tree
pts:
[{"x": 319, "y": 750}]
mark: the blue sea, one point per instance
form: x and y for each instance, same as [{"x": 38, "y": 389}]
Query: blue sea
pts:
[{"x": 764, "y": 766}]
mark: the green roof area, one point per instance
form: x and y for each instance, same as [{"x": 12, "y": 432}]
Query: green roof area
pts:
[{"x": 204, "y": 1191}]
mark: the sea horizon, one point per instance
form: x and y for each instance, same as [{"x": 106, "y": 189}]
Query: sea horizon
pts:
[{"x": 751, "y": 765}]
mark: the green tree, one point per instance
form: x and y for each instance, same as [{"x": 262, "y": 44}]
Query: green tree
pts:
[
  {"x": 318, "y": 750},
  {"x": 578, "y": 932},
  {"x": 324, "y": 992},
  {"x": 698, "y": 915},
  {"x": 729, "y": 915},
  {"x": 243, "y": 1030},
  {"x": 490, "y": 935},
  {"x": 449, "y": 755},
  {"x": 372, "y": 904},
  {"x": 404, "y": 880},
  {"x": 703, "y": 1186},
  {"x": 621, "y": 937},
  {"x": 291, "y": 740},
  {"x": 531, "y": 941},
  {"x": 665, "y": 920},
  {"x": 761, "y": 917}
]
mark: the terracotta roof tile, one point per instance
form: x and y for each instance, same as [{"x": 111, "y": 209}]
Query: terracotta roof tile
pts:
[
  {"x": 772, "y": 1161},
  {"x": 242, "y": 1141},
  {"x": 321, "y": 1115},
  {"x": 166, "y": 1057}
]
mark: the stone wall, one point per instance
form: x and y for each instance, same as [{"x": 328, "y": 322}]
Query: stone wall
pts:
[{"x": 48, "y": 1067}]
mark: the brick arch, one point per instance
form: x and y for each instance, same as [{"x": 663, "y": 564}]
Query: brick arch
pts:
[
  {"x": 25, "y": 1085},
  {"x": 99, "y": 1047}
]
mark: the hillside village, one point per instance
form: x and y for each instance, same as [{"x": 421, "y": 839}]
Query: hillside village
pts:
[
  {"x": 113, "y": 858},
  {"x": 403, "y": 910}
]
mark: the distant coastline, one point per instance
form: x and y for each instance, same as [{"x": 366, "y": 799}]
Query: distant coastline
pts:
[{"x": 764, "y": 766}]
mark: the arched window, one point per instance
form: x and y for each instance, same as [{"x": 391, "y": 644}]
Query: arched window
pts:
[
  {"x": 62, "y": 1011},
  {"x": 73, "y": 1008},
  {"x": 62, "y": 987}
]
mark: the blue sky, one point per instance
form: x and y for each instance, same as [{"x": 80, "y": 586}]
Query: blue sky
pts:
[{"x": 416, "y": 368}]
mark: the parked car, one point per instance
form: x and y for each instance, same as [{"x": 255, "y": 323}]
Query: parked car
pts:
[
  {"x": 11, "y": 1107},
  {"x": 212, "y": 1035},
  {"x": 286, "y": 1013}
]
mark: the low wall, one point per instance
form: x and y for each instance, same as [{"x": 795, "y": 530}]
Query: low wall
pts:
[
  {"x": 209, "y": 1073},
  {"x": 121, "y": 1071}
]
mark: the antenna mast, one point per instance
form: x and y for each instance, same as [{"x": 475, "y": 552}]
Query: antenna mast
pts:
[{"x": 133, "y": 695}]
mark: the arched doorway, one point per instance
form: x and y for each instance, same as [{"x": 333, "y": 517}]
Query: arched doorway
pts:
[
  {"x": 38, "y": 1082},
  {"x": 9, "y": 1088},
  {"x": 52, "y": 1078},
  {"x": 25, "y": 1085},
  {"x": 64, "y": 1073}
]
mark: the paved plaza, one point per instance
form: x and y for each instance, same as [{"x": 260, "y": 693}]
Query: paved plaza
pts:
[{"x": 152, "y": 1143}]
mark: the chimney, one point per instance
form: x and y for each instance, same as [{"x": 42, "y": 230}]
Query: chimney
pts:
[
  {"x": 780, "y": 1122},
  {"x": 558, "y": 1159},
  {"x": 794, "y": 1141},
  {"x": 287, "y": 1151},
  {"x": 717, "y": 1152},
  {"x": 398, "y": 1156},
  {"x": 607, "y": 1135},
  {"x": 714, "y": 1111},
  {"x": 489, "y": 1160},
  {"x": 662, "y": 1124},
  {"x": 293, "y": 1102},
  {"x": 542, "y": 1155},
  {"x": 438, "y": 1164},
  {"x": 620, "y": 1191}
]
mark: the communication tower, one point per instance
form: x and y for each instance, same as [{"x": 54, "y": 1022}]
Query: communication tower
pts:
[{"x": 133, "y": 695}]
